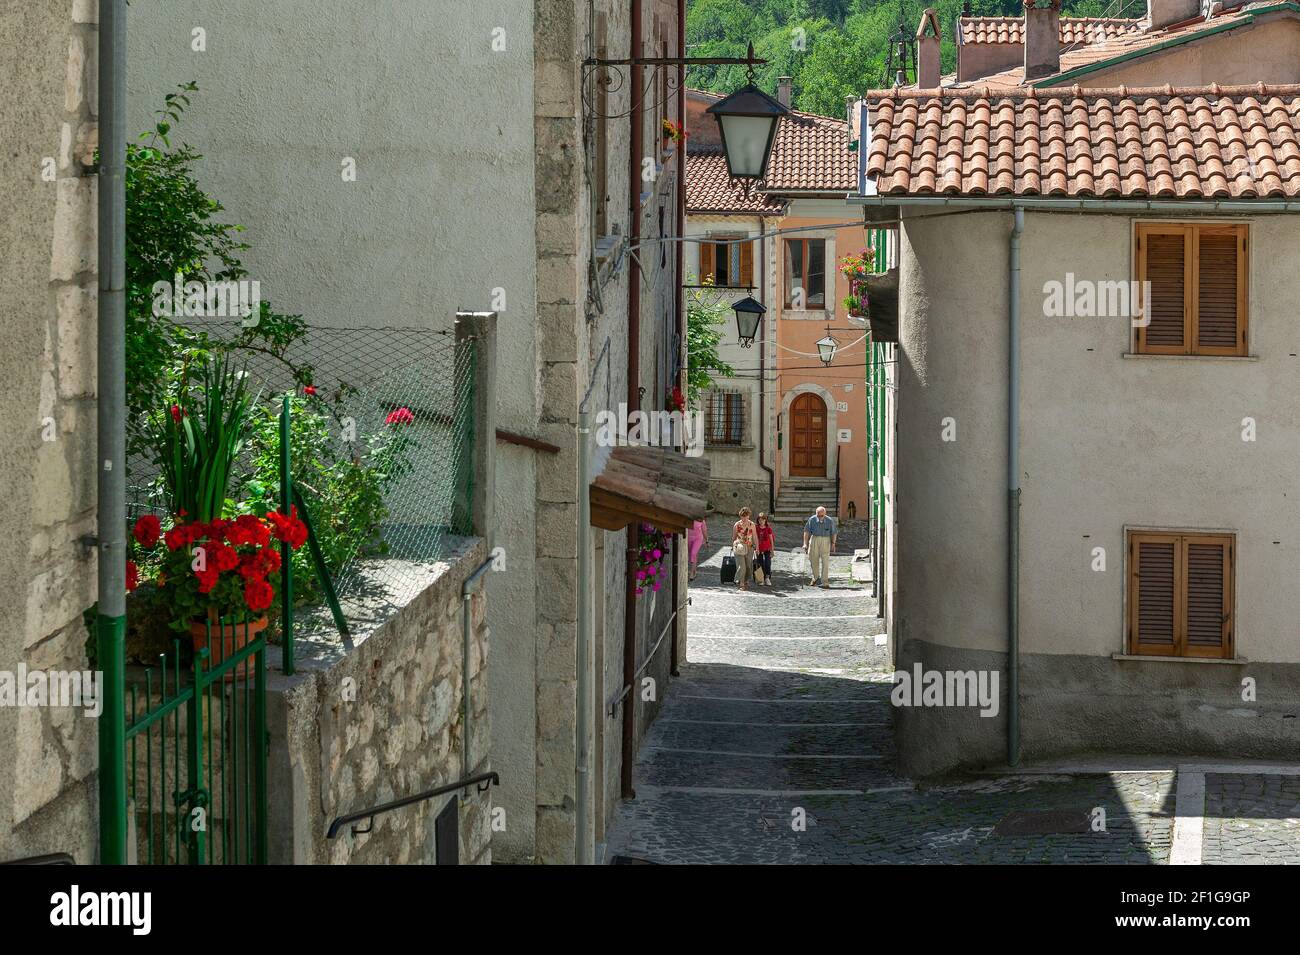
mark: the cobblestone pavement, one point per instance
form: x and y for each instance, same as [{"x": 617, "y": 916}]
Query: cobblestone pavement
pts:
[
  {"x": 776, "y": 746},
  {"x": 1251, "y": 819}
]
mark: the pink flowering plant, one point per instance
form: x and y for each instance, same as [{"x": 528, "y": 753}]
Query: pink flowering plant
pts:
[{"x": 651, "y": 553}]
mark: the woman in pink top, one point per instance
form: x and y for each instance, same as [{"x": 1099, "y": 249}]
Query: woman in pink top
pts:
[{"x": 696, "y": 537}]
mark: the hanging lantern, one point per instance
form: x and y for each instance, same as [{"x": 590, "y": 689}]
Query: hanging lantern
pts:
[
  {"x": 748, "y": 314},
  {"x": 747, "y": 120},
  {"x": 827, "y": 347}
]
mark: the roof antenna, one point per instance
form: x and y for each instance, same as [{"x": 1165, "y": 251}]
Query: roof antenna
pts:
[{"x": 902, "y": 49}]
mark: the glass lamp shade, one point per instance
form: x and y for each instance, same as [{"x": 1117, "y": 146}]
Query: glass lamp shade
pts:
[
  {"x": 748, "y": 314},
  {"x": 747, "y": 120},
  {"x": 826, "y": 348}
]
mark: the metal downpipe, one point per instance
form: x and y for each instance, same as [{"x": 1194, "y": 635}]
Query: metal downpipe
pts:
[
  {"x": 1013, "y": 492},
  {"x": 582, "y": 764},
  {"x": 110, "y": 621}
]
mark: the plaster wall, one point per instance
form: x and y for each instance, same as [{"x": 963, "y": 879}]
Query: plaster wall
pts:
[
  {"x": 1266, "y": 51},
  {"x": 735, "y": 467},
  {"x": 432, "y": 101},
  {"x": 842, "y": 385},
  {"x": 1108, "y": 442}
]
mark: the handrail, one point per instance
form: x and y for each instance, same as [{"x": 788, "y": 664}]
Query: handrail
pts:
[
  {"x": 491, "y": 779},
  {"x": 53, "y": 858},
  {"x": 837, "y": 483}
]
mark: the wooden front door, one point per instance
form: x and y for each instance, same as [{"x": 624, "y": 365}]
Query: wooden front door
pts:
[{"x": 808, "y": 437}]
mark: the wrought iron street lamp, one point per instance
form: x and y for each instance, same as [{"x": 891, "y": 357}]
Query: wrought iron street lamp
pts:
[
  {"x": 749, "y": 313},
  {"x": 827, "y": 347},
  {"x": 747, "y": 120}
]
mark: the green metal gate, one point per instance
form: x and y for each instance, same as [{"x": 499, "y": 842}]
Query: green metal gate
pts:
[{"x": 195, "y": 754}]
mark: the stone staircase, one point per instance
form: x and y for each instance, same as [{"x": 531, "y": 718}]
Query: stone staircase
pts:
[{"x": 800, "y": 496}]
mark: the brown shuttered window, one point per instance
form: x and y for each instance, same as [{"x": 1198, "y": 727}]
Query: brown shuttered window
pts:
[
  {"x": 1197, "y": 289},
  {"x": 1180, "y": 594},
  {"x": 727, "y": 263}
]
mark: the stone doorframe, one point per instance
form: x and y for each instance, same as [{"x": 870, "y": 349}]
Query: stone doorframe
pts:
[{"x": 832, "y": 433}]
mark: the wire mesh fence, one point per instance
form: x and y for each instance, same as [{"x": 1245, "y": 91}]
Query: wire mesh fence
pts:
[{"x": 381, "y": 453}]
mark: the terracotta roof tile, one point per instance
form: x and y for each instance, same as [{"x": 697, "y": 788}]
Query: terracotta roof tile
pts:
[
  {"x": 1240, "y": 142},
  {"x": 1101, "y": 45},
  {"x": 710, "y": 189},
  {"x": 1073, "y": 30},
  {"x": 811, "y": 153}
]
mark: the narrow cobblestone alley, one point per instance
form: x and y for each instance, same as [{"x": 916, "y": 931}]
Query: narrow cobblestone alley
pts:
[{"x": 782, "y": 713}]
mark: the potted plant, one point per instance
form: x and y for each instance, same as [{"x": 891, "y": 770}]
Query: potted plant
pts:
[
  {"x": 652, "y": 549},
  {"x": 215, "y": 571},
  {"x": 857, "y": 266},
  {"x": 674, "y": 134},
  {"x": 856, "y": 304}
]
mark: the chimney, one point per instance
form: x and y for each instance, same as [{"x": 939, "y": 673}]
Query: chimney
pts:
[
  {"x": 1162, "y": 13},
  {"x": 1042, "y": 38},
  {"x": 927, "y": 50},
  {"x": 783, "y": 90}
]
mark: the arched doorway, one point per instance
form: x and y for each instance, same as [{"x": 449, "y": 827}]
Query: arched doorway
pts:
[{"x": 808, "y": 436}]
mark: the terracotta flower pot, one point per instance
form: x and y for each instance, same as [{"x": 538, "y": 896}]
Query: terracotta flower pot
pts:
[{"x": 226, "y": 641}]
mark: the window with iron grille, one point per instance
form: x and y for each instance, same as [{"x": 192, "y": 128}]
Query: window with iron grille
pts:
[{"x": 726, "y": 418}]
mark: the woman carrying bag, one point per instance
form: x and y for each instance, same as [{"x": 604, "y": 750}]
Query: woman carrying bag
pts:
[{"x": 743, "y": 539}]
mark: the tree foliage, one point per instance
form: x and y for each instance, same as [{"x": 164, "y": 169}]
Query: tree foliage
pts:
[
  {"x": 832, "y": 48},
  {"x": 706, "y": 315}
]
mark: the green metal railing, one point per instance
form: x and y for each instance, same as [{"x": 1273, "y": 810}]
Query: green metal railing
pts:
[{"x": 196, "y": 752}]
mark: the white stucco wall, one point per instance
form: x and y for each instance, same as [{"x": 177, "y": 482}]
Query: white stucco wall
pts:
[
  {"x": 440, "y": 215},
  {"x": 1107, "y": 441},
  {"x": 741, "y": 464}
]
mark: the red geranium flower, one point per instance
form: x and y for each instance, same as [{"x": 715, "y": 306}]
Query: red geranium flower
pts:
[
  {"x": 208, "y": 578},
  {"x": 400, "y": 416},
  {"x": 309, "y": 389},
  {"x": 288, "y": 529},
  {"x": 223, "y": 556},
  {"x": 177, "y": 537},
  {"x": 147, "y": 530},
  {"x": 177, "y": 413},
  {"x": 132, "y": 575},
  {"x": 258, "y": 594}
]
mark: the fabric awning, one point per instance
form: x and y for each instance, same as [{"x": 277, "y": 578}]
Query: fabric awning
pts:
[{"x": 659, "y": 486}]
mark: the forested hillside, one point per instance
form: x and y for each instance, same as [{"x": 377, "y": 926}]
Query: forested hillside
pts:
[{"x": 832, "y": 48}]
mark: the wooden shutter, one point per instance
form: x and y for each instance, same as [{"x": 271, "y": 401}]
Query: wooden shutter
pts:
[
  {"x": 1181, "y": 595},
  {"x": 1198, "y": 277},
  {"x": 707, "y": 268},
  {"x": 1153, "y": 594},
  {"x": 747, "y": 264},
  {"x": 1208, "y": 559},
  {"x": 1164, "y": 253},
  {"x": 1221, "y": 290}
]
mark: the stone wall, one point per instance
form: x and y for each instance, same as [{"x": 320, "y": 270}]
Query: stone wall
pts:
[
  {"x": 359, "y": 727},
  {"x": 47, "y": 361},
  {"x": 575, "y": 322}
]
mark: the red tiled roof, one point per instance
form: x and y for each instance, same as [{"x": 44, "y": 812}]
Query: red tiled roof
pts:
[
  {"x": 1102, "y": 49},
  {"x": 1072, "y": 29},
  {"x": 811, "y": 154},
  {"x": 710, "y": 189},
  {"x": 1239, "y": 142}
]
